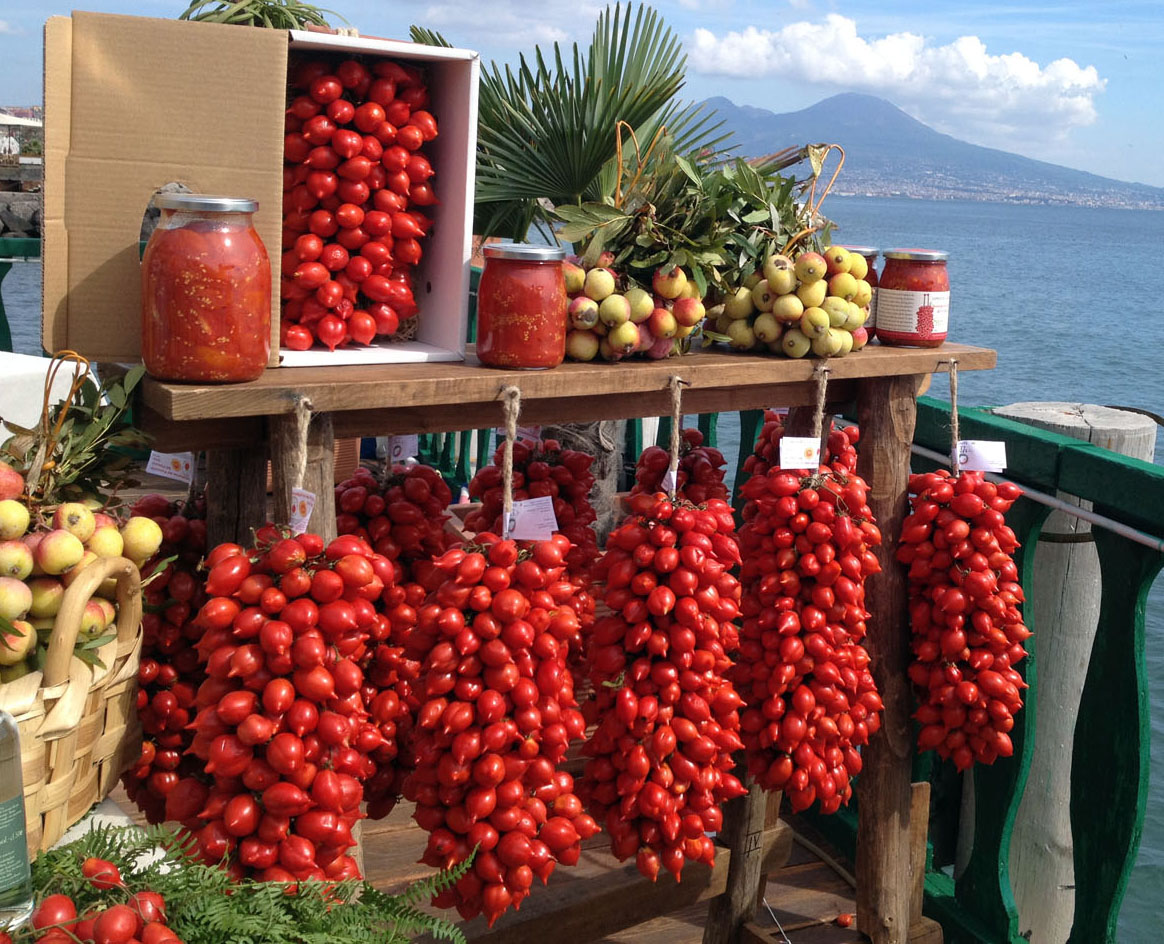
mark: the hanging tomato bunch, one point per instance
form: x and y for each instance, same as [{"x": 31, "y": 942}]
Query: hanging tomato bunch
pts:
[
  {"x": 700, "y": 475},
  {"x": 496, "y": 716},
  {"x": 802, "y": 671},
  {"x": 540, "y": 470},
  {"x": 968, "y": 633},
  {"x": 354, "y": 177},
  {"x": 282, "y": 731},
  {"x": 840, "y": 449},
  {"x": 169, "y": 672},
  {"x": 660, "y": 759}
]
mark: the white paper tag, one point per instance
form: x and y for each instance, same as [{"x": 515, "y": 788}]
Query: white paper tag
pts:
[
  {"x": 302, "y": 503},
  {"x": 799, "y": 452},
  {"x": 529, "y": 435},
  {"x": 172, "y": 465},
  {"x": 533, "y": 519},
  {"x": 982, "y": 455},
  {"x": 402, "y": 447},
  {"x": 668, "y": 484}
]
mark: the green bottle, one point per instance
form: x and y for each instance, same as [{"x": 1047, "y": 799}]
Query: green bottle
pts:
[{"x": 15, "y": 877}]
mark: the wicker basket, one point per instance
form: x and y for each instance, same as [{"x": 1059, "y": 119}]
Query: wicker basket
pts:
[{"x": 79, "y": 728}]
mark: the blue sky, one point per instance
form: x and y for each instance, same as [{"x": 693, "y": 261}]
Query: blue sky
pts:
[{"x": 1074, "y": 82}]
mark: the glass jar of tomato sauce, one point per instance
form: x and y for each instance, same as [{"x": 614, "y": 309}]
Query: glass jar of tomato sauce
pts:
[
  {"x": 521, "y": 307},
  {"x": 913, "y": 298},
  {"x": 205, "y": 291},
  {"x": 869, "y": 254}
]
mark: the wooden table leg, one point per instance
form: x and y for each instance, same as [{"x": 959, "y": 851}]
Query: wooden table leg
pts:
[
  {"x": 743, "y": 831},
  {"x": 887, "y": 413},
  {"x": 319, "y": 474},
  {"x": 236, "y": 494}
]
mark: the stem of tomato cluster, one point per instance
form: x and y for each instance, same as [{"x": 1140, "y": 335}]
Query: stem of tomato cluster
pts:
[
  {"x": 511, "y": 405},
  {"x": 676, "y": 384}
]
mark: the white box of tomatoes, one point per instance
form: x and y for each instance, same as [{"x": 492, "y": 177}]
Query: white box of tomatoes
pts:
[{"x": 133, "y": 103}]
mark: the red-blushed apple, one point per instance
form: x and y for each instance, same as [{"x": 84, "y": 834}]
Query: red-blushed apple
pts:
[
  {"x": 688, "y": 312},
  {"x": 599, "y": 284},
  {"x": 575, "y": 277},
  {"x": 15, "y": 598},
  {"x": 16, "y": 643},
  {"x": 810, "y": 267},
  {"x": 662, "y": 323},
  {"x": 581, "y": 345},
  {"x": 641, "y": 304},
  {"x": 11, "y": 482},
  {"x": 663, "y": 347},
  {"x": 614, "y": 310},
  {"x": 669, "y": 282},
  {"x": 14, "y": 519},
  {"x": 606, "y": 259},
  {"x": 838, "y": 259},
  {"x": 583, "y": 312},
  {"x": 102, "y": 520},
  {"x": 860, "y": 338},
  {"x": 74, "y": 572},
  {"x": 58, "y": 552}
]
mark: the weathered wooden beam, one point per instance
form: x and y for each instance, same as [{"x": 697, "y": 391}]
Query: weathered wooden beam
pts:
[
  {"x": 318, "y": 473},
  {"x": 236, "y": 493}
]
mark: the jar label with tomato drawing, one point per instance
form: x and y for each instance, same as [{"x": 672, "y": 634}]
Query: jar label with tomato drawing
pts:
[{"x": 921, "y": 315}]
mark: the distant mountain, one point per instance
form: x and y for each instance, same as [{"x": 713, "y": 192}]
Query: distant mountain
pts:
[{"x": 888, "y": 153}]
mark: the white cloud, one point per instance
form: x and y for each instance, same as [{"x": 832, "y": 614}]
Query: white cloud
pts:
[
  {"x": 7, "y": 28},
  {"x": 958, "y": 87},
  {"x": 510, "y": 23}
]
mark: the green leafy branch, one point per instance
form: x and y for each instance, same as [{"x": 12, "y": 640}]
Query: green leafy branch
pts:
[{"x": 274, "y": 14}]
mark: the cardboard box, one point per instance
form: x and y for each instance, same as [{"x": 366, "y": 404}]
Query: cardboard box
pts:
[{"x": 133, "y": 103}]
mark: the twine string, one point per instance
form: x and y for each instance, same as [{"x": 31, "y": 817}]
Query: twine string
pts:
[
  {"x": 511, "y": 405},
  {"x": 676, "y": 384},
  {"x": 955, "y": 434},
  {"x": 299, "y": 446},
  {"x": 821, "y": 373}
]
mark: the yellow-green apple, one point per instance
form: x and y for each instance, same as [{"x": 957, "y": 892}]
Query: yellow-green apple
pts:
[
  {"x": 743, "y": 338},
  {"x": 641, "y": 304},
  {"x": 813, "y": 294},
  {"x": 762, "y": 296},
  {"x": 76, "y": 519},
  {"x": 864, "y": 294},
  {"x": 623, "y": 338},
  {"x": 606, "y": 352},
  {"x": 14, "y": 519},
  {"x": 583, "y": 312},
  {"x": 142, "y": 537},
  {"x": 15, "y": 559},
  {"x": 858, "y": 265},
  {"x": 614, "y": 310},
  {"x": 575, "y": 277},
  {"x": 106, "y": 542},
  {"x": 828, "y": 344},
  {"x": 15, "y": 598},
  {"x": 723, "y": 319},
  {"x": 857, "y": 317},
  {"x": 15, "y": 644},
  {"x": 663, "y": 323},
  {"x": 739, "y": 304},
  {"x": 838, "y": 310},
  {"x": 838, "y": 259},
  {"x": 581, "y": 345},
  {"x": 766, "y": 327},
  {"x": 11, "y": 482},
  {"x": 688, "y": 311},
  {"x": 58, "y": 551},
  {"x": 815, "y": 322},
  {"x": 47, "y": 593},
  {"x": 846, "y": 342},
  {"x": 669, "y": 282},
  {"x": 599, "y": 283},
  {"x": 795, "y": 343},
  {"x": 752, "y": 279},
  {"x": 780, "y": 274},
  {"x": 810, "y": 267},
  {"x": 787, "y": 308},
  {"x": 683, "y": 331},
  {"x": 690, "y": 290},
  {"x": 843, "y": 285}
]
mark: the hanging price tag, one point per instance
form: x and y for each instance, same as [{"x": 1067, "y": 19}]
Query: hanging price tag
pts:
[
  {"x": 402, "y": 447},
  {"x": 302, "y": 503},
  {"x": 172, "y": 465},
  {"x": 799, "y": 452},
  {"x": 533, "y": 520},
  {"x": 982, "y": 455},
  {"x": 669, "y": 483},
  {"x": 528, "y": 435}
]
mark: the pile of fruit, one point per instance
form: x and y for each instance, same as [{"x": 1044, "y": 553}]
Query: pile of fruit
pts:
[
  {"x": 355, "y": 182},
  {"x": 699, "y": 477},
  {"x": 613, "y": 318},
  {"x": 42, "y": 551},
  {"x": 968, "y": 633},
  {"x": 667, "y": 720},
  {"x": 497, "y": 713},
  {"x": 811, "y": 701},
  {"x": 813, "y": 304}
]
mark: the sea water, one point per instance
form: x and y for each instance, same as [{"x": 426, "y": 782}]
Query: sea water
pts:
[{"x": 1071, "y": 299}]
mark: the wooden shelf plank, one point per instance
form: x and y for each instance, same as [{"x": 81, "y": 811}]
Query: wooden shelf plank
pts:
[{"x": 755, "y": 379}]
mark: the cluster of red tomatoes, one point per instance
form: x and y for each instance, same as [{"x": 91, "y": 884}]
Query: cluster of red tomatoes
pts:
[
  {"x": 803, "y": 672},
  {"x": 544, "y": 469},
  {"x": 353, "y": 167},
  {"x": 840, "y": 448},
  {"x": 282, "y": 730},
  {"x": 496, "y": 715},
  {"x": 968, "y": 633},
  {"x": 402, "y": 516},
  {"x": 169, "y": 673},
  {"x": 699, "y": 477},
  {"x": 667, "y": 718},
  {"x": 142, "y": 919}
]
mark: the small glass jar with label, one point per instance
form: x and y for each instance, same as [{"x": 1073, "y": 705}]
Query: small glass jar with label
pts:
[
  {"x": 521, "y": 307},
  {"x": 913, "y": 298}
]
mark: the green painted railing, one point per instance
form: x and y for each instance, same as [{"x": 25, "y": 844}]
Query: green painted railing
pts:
[{"x": 12, "y": 248}]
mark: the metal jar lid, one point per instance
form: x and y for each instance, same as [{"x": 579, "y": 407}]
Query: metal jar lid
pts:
[
  {"x": 526, "y": 252},
  {"x": 917, "y": 255},
  {"x": 862, "y": 250},
  {"x": 204, "y": 202}
]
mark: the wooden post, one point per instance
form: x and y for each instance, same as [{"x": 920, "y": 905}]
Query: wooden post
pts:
[
  {"x": 319, "y": 475},
  {"x": 1064, "y": 612},
  {"x": 743, "y": 831},
  {"x": 887, "y": 413},
  {"x": 236, "y": 494}
]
